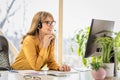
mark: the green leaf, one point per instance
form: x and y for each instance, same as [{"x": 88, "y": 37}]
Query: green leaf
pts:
[
  {"x": 71, "y": 48},
  {"x": 78, "y": 51},
  {"x": 84, "y": 60},
  {"x": 96, "y": 65}
]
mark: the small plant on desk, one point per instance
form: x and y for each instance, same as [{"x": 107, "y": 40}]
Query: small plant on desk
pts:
[{"x": 98, "y": 71}]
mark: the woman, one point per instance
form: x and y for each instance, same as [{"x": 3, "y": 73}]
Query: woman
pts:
[{"x": 38, "y": 46}]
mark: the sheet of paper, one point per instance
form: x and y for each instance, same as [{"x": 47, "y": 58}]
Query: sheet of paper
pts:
[{"x": 46, "y": 72}]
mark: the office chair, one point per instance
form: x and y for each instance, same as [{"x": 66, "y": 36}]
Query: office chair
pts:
[{"x": 4, "y": 54}]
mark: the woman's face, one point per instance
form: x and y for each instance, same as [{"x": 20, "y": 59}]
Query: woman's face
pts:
[{"x": 47, "y": 25}]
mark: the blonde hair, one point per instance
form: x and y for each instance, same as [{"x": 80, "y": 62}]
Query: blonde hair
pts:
[{"x": 38, "y": 17}]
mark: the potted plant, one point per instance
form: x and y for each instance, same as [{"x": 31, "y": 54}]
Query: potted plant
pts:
[
  {"x": 117, "y": 48},
  {"x": 107, "y": 53},
  {"x": 80, "y": 38},
  {"x": 98, "y": 71},
  {"x": 117, "y": 52}
]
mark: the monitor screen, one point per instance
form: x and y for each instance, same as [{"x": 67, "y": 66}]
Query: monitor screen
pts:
[{"x": 98, "y": 28}]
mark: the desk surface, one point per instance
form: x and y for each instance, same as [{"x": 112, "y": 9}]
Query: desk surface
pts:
[{"x": 74, "y": 75}]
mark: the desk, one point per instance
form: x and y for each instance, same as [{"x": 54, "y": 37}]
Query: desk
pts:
[{"x": 6, "y": 75}]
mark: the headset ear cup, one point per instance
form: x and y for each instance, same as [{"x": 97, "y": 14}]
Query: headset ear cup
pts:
[{"x": 40, "y": 25}]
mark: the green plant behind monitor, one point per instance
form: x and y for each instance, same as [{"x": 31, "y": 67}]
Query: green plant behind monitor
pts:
[
  {"x": 80, "y": 38},
  {"x": 106, "y": 45}
]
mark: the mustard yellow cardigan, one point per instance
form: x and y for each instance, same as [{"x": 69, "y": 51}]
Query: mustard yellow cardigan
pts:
[{"x": 32, "y": 57}]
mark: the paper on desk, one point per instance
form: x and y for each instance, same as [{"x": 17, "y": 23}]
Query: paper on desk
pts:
[
  {"x": 61, "y": 72},
  {"x": 32, "y": 72},
  {"x": 29, "y": 72},
  {"x": 81, "y": 69}
]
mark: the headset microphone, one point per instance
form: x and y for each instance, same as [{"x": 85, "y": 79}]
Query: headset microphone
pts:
[{"x": 54, "y": 31}]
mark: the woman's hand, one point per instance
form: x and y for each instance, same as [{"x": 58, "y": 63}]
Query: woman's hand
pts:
[
  {"x": 47, "y": 39},
  {"x": 64, "y": 68}
]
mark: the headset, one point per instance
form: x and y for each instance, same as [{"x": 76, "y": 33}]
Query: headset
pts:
[{"x": 40, "y": 23}]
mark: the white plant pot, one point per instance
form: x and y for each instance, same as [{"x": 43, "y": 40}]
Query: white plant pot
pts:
[{"x": 109, "y": 69}]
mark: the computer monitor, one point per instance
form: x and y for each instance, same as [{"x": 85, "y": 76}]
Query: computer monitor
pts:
[{"x": 98, "y": 28}]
